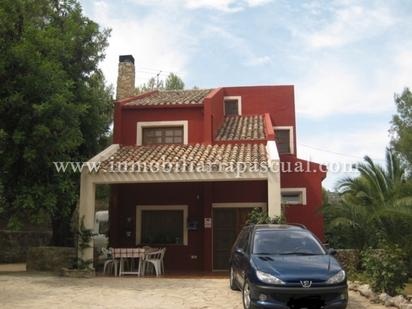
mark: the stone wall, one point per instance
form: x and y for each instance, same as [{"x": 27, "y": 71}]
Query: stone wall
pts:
[
  {"x": 50, "y": 258},
  {"x": 125, "y": 78},
  {"x": 349, "y": 259},
  {"x": 15, "y": 244}
]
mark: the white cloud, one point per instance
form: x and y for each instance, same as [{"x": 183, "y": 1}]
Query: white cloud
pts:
[
  {"x": 227, "y": 6},
  {"x": 161, "y": 39},
  {"x": 253, "y": 3},
  {"x": 224, "y": 5},
  {"x": 344, "y": 148},
  {"x": 351, "y": 24},
  {"x": 239, "y": 46},
  {"x": 157, "y": 41},
  {"x": 334, "y": 86},
  {"x": 339, "y": 73},
  {"x": 256, "y": 60},
  {"x": 349, "y": 146}
]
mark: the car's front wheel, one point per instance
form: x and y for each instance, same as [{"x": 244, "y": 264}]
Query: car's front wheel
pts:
[
  {"x": 246, "y": 295},
  {"x": 232, "y": 282}
]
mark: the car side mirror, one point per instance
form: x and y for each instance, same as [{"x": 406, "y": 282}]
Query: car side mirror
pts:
[{"x": 332, "y": 251}]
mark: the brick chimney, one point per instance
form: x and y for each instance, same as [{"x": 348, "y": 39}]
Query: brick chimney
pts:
[{"x": 125, "y": 78}]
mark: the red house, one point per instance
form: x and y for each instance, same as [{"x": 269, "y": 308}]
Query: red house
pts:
[{"x": 187, "y": 166}]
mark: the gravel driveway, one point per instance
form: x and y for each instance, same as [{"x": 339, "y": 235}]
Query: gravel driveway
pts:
[{"x": 31, "y": 290}]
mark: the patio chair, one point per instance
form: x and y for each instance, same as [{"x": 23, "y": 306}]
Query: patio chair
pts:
[
  {"x": 110, "y": 264},
  {"x": 155, "y": 259}
]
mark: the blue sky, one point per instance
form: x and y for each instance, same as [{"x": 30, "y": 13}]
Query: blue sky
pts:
[{"x": 346, "y": 59}]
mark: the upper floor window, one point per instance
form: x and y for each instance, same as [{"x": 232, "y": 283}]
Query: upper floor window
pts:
[
  {"x": 162, "y": 132},
  {"x": 284, "y": 139},
  {"x": 162, "y": 135},
  {"x": 232, "y": 106}
]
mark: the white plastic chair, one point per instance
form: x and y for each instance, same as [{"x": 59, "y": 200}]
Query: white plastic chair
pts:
[
  {"x": 111, "y": 263},
  {"x": 155, "y": 258}
]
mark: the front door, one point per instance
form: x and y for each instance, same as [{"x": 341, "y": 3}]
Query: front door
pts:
[{"x": 227, "y": 223}]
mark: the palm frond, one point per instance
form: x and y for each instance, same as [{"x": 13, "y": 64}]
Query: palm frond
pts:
[{"x": 375, "y": 204}]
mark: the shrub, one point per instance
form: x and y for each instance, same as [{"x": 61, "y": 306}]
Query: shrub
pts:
[
  {"x": 257, "y": 216},
  {"x": 349, "y": 259},
  {"x": 386, "y": 269},
  {"x": 84, "y": 237}
]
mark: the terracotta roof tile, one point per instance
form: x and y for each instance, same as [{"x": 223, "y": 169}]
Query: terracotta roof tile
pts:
[
  {"x": 196, "y": 154},
  {"x": 237, "y": 128},
  {"x": 173, "y": 97}
]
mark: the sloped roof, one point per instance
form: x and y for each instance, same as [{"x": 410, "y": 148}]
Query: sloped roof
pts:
[
  {"x": 196, "y": 155},
  {"x": 238, "y": 128},
  {"x": 172, "y": 97}
]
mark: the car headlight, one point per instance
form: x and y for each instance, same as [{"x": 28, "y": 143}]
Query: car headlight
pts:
[
  {"x": 268, "y": 278},
  {"x": 337, "y": 278}
]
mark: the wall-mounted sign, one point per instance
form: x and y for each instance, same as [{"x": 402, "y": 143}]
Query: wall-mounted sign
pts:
[{"x": 208, "y": 223}]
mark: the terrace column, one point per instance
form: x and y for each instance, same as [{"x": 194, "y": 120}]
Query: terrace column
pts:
[
  {"x": 86, "y": 210},
  {"x": 274, "y": 197}
]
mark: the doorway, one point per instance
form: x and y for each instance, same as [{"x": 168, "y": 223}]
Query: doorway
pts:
[{"x": 227, "y": 223}]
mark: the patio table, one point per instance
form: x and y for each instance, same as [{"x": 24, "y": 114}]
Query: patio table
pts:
[{"x": 131, "y": 253}]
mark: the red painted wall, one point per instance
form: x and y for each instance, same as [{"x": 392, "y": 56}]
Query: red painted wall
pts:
[
  {"x": 130, "y": 195},
  {"x": 213, "y": 114},
  {"x": 311, "y": 178},
  {"x": 204, "y": 121},
  {"x": 237, "y": 192},
  {"x": 198, "y": 196},
  {"x": 117, "y": 123},
  {"x": 131, "y": 116},
  {"x": 278, "y": 101}
]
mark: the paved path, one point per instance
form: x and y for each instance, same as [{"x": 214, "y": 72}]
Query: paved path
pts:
[{"x": 25, "y": 290}]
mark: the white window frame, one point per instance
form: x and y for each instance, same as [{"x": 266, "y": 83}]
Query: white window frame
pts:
[
  {"x": 262, "y": 205},
  {"x": 239, "y": 103},
  {"x": 159, "y": 124},
  {"x": 301, "y": 191},
  {"x": 291, "y": 137},
  {"x": 140, "y": 208}
]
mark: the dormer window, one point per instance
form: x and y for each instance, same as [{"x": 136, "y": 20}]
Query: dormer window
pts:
[{"x": 232, "y": 106}]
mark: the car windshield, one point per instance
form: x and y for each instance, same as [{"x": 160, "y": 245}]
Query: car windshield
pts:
[{"x": 287, "y": 242}]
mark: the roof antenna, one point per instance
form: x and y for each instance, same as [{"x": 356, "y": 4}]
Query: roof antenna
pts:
[{"x": 157, "y": 79}]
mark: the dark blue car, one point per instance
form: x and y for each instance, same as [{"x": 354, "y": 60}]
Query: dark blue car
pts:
[{"x": 286, "y": 267}]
